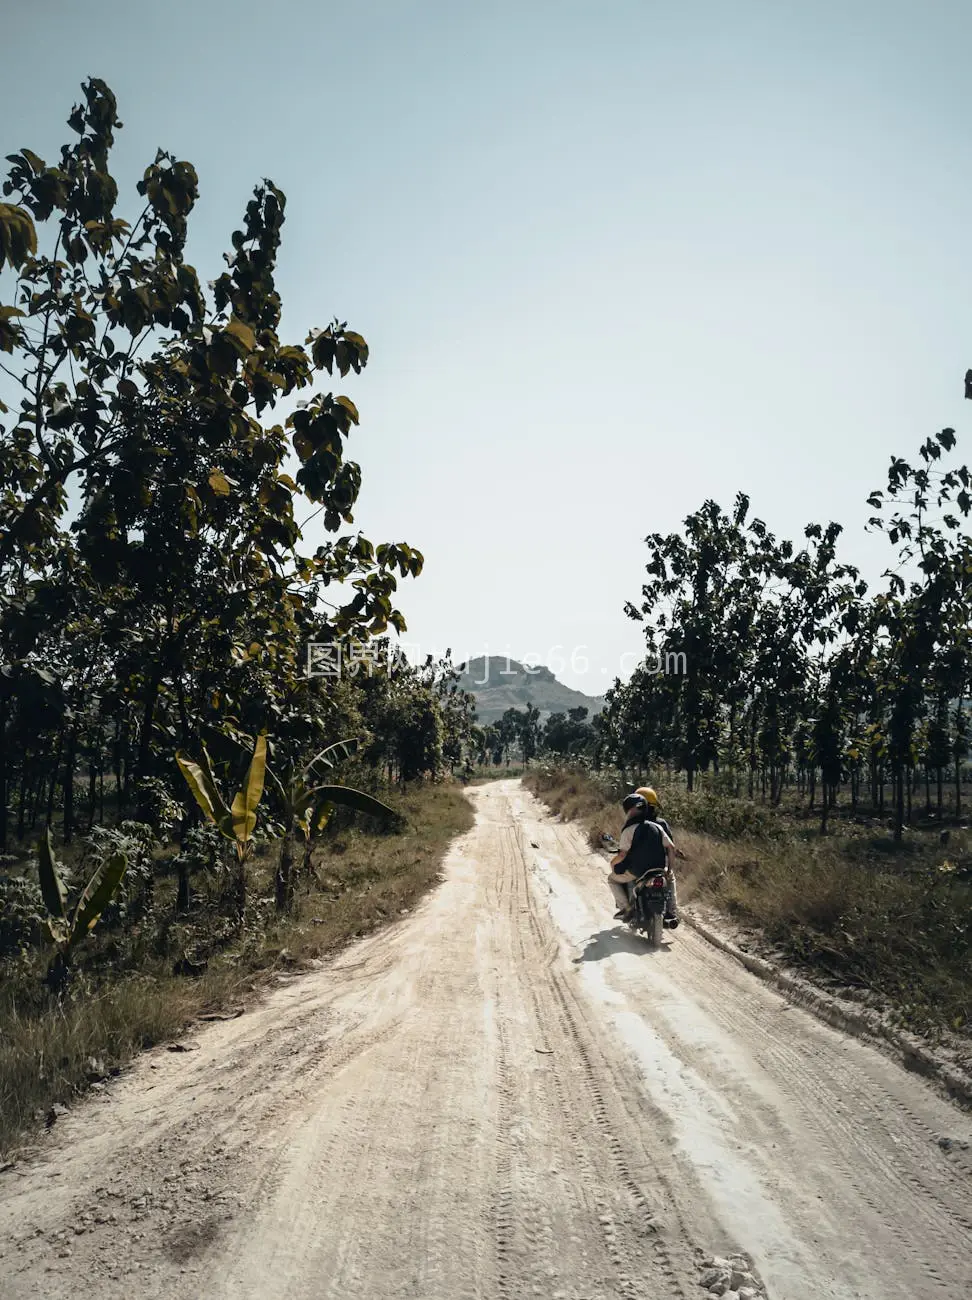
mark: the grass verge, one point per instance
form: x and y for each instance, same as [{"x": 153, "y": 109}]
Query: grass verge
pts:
[
  {"x": 51, "y": 1051},
  {"x": 849, "y": 908}
]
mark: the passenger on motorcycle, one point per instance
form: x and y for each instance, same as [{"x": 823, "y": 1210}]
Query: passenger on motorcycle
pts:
[
  {"x": 643, "y": 845},
  {"x": 651, "y": 799}
]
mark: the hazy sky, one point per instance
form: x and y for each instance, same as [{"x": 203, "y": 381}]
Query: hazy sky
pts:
[{"x": 611, "y": 258}]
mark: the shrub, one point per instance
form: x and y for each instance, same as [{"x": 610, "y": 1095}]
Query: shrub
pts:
[
  {"x": 136, "y": 895},
  {"x": 21, "y": 916}
]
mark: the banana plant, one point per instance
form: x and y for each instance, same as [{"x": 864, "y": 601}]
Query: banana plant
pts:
[
  {"x": 308, "y": 808},
  {"x": 235, "y": 821},
  {"x": 68, "y": 928}
]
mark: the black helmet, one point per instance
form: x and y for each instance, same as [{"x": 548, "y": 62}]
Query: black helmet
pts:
[{"x": 631, "y": 801}]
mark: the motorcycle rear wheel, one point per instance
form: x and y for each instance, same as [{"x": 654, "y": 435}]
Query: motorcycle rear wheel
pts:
[{"x": 657, "y": 929}]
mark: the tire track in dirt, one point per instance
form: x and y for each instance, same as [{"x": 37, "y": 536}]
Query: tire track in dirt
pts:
[
  {"x": 853, "y": 1123},
  {"x": 553, "y": 1003},
  {"x": 832, "y": 1103}
]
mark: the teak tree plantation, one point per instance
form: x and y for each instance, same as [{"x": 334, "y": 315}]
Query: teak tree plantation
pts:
[
  {"x": 795, "y": 671},
  {"x": 194, "y": 821}
]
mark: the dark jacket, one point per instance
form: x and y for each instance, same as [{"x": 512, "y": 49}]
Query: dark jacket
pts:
[{"x": 647, "y": 850}]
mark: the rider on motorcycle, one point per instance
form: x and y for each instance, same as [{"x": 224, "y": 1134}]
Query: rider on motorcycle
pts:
[
  {"x": 651, "y": 799},
  {"x": 643, "y": 844}
]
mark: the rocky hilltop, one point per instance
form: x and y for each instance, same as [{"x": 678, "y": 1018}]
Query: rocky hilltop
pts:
[{"x": 500, "y": 684}]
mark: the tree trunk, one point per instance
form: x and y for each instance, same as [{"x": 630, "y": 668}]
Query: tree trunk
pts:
[
  {"x": 117, "y": 765},
  {"x": 92, "y": 793},
  {"x": 958, "y": 758},
  {"x": 22, "y": 798},
  {"x": 148, "y": 718},
  {"x": 55, "y": 769},
  {"x": 282, "y": 879},
  {"x": 240, "y": 890},
  {"x": 3, "y": 771},
  {"x": 307, "y": 862},
  {"x": 183, "y": 715},
  {"x": 38, "y": 790},
  {"x": 183, "y": 893},
  {"x": 69, "y": 760},
  {"x": 899, "y": 804}
]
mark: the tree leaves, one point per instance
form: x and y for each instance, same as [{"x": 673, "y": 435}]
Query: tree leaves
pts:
[
  {"x": 99, "y": 892},
  {"x": 357, "y": 800},
  {"x": 49, "y": 875},
  {"x": 203, "y": 788},
  {"x": 337, "y": 345},
  {"x": 246, "y": 801},
  {"x": 9, "y": 331},
  {"x": 18, "y": 237},
  {"x": 238, "y": 330}
]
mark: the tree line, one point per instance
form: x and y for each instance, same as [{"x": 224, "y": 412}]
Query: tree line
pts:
[
  {"x": 157, "y": 592},
  {"x": 791, "y": 675},
  {"x": 519, "y": 733},
  {"x": 799, "y": 677}
]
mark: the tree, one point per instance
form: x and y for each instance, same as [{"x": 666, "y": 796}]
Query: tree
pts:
[
  {"x": 507, "y": 733},
  {"x": 924, "y": 618},
  {"x": 568, "y": 733},
  {"x": 150, "y": 510},
  {"x": 528, "y": 731}
]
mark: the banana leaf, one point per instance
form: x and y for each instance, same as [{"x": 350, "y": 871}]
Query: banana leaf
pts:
[
  {"x": 98, "y": 893},
  {"x": 52, "y": 886}
]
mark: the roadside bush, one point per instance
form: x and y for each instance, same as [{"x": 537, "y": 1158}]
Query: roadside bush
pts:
[
  {"x": 157, "y": 806},
  {"x": 136, "y": 896},
  {"x": 21, "y": 916},
  {"x": 720, "y": 815}
]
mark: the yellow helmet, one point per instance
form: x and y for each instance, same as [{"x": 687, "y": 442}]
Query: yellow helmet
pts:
[{"x": 648, "y": 794}]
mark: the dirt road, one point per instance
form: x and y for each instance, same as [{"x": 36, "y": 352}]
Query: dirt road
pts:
[{"x": 503, "y": 1096}]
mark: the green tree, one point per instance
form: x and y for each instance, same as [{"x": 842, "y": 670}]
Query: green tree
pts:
[{"x": 150, "y": 510}]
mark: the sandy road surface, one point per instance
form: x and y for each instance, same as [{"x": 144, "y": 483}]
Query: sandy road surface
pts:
[{"x": 504, "y": 1096}]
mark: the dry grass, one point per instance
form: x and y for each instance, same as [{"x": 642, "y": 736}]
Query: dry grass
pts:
[
  {"x": 850, "y": 907},
  {"x": 50, "y": 1051}
]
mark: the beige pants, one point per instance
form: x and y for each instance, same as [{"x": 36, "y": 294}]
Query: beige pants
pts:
[
  {"x": 620, "y": 892},
  {"x": 621, "y": 883}
]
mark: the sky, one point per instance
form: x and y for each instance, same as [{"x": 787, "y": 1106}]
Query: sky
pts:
[{"x": 612, "y": 258}]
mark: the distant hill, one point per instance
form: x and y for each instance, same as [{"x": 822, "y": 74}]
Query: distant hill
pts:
[{"x": 500, "y": 684}]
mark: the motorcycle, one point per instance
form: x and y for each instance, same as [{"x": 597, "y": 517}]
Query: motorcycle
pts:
[{"x": 649, "y": 896}]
